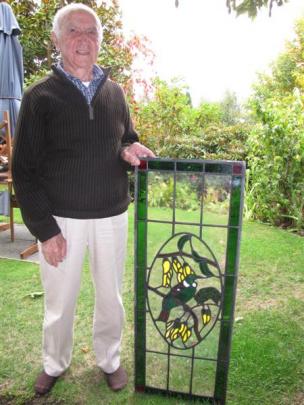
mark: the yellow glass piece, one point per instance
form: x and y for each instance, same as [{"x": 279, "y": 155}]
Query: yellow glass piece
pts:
[
  {"x": 185, "y": 332},
  {"x": 206, "y": 319},
  {"x": 174, "y": 334},
  {"x": 181, "y": 271},
  {"x": 166, "y": 265},
  {"x": 187, "y": 270},
  {"x": 182, "y": 328},
  {"x": 177, "y": 266},
  {"x": 167, "y": 273},
  {"x": 169, "y": 328},
  {"x": 178, "y": 270},
  {"x": 186, "y": 335}
]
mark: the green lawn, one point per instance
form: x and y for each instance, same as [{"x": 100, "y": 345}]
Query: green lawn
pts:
[{"x": 267, "y": 360}]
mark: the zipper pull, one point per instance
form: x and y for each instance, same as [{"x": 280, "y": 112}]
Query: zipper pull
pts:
[{"x": 91, "y": 112}]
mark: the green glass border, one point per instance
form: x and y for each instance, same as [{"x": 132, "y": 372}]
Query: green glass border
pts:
[
  {"x": 237, "y": 172},
  {"x": 190, "y": 166},
  {"x": 207, "y": 166},
  {"x": 230, "y": 282},
  {"x": 140, "y": 255}
]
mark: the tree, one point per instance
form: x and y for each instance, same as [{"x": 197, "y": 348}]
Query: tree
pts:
[
  {"x": 208, "y": 114},
  {"x": 276, "y": 159},
  {"x": 227, "y": 142},
  {"x": 276, "y": 145},
  {"x": 231, "y": 111},
  {"x": 35, "y": 19},
  {"x": 222, "y": 129},
  {"x": 167, "y": 121},
  {"x": 171, "y": 126},
  {"x": 249, "y": 7},
  {"x": 35, "y": 24},
  {"x": 252, "y": 7}
]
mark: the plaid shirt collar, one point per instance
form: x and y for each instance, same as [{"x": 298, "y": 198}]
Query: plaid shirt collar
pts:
[{"x": 89, "y": 91}]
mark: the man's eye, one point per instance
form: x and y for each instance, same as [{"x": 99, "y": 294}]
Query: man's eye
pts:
[{"x": 92, "y": 32}]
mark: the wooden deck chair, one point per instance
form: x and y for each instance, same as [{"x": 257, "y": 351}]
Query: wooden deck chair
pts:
[
  {"x": 6, "y": 166},
  {"x": 6, "y": 149}
]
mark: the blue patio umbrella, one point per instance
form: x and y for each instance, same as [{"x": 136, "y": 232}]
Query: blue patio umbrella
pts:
[{"x": 11, "y": 64}]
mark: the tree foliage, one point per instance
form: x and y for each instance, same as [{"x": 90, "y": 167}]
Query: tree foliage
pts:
[
  {"x": 277, "y": 164},
  {"x": 276, "y": 146},
  {"x": 231, "y": 112},
  {"x": 35, "y": 19},
  {"x": 249, "y": 7},
  {"x": 167, "y": 118},
  {"x": 228, "y": 142},
  {"x": 172, "y": 127},
  {"x": 252, "y": 7}
]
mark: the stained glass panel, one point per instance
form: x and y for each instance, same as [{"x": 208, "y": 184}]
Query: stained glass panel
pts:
[{"x": 187, "y": 224}]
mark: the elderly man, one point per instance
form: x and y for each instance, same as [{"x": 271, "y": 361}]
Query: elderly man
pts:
[{"x": 74, "y": 143}]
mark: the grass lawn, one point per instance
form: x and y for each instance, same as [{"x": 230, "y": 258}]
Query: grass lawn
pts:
[{"x": 267, "y": 360}]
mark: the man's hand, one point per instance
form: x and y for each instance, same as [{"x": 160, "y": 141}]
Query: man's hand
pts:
[
  {"x": 54, "y": 249},
  {"x": 134, "y": 152}
]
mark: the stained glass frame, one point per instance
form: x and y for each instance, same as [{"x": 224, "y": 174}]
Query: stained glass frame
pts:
[{"x": 233, "y": 175}]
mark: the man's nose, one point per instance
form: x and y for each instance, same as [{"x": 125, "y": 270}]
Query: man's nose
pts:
[{"x": 83, "y": 34}]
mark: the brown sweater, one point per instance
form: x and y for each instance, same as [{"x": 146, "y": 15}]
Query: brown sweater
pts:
[{"x": 66, "y": 159}]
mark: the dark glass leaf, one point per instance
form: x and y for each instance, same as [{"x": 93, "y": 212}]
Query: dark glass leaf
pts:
[
  {"x": 202, "y": 264},
  {"x": 181, "y": 242},
  {"x": 204, "y": 294}
]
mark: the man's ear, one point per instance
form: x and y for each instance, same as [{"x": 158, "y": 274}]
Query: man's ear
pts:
[{"x": 55, "y": 40}]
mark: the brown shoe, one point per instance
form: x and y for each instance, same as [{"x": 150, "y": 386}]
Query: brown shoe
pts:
[
  {"x": 44, "y": 383},
  {"x": 117, "y": 380}
]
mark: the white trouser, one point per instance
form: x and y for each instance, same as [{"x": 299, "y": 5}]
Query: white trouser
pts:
[{"x": 106, "y": 241}]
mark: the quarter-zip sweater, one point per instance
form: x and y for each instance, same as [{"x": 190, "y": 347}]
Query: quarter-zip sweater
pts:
[{"x": 66, "y": 159}]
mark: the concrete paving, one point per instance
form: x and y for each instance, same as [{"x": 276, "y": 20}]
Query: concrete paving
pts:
[{"x": 12, "y": 250}]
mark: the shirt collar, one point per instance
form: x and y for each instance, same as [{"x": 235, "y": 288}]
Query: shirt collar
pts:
[{"x": 97, "y": 72}]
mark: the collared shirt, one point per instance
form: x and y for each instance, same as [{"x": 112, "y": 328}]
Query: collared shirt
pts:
[{"x": 87, "y": 91}]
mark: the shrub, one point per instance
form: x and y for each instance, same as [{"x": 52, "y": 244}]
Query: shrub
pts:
[{"x": 276, "y": 154}]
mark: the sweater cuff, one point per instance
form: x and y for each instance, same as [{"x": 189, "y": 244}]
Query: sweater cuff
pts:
[
  {"x": 43, "y": 230},
  {"x": 48, "y": 233}
]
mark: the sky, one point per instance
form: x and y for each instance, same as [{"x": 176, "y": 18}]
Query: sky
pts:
[{"x": 212, "y": 50}]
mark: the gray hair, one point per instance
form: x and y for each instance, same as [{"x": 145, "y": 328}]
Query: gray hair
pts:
[{"x": 65, "y": 11}]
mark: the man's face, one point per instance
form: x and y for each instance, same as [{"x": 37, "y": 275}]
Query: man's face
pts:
[{"x": 78, "y": 41}]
